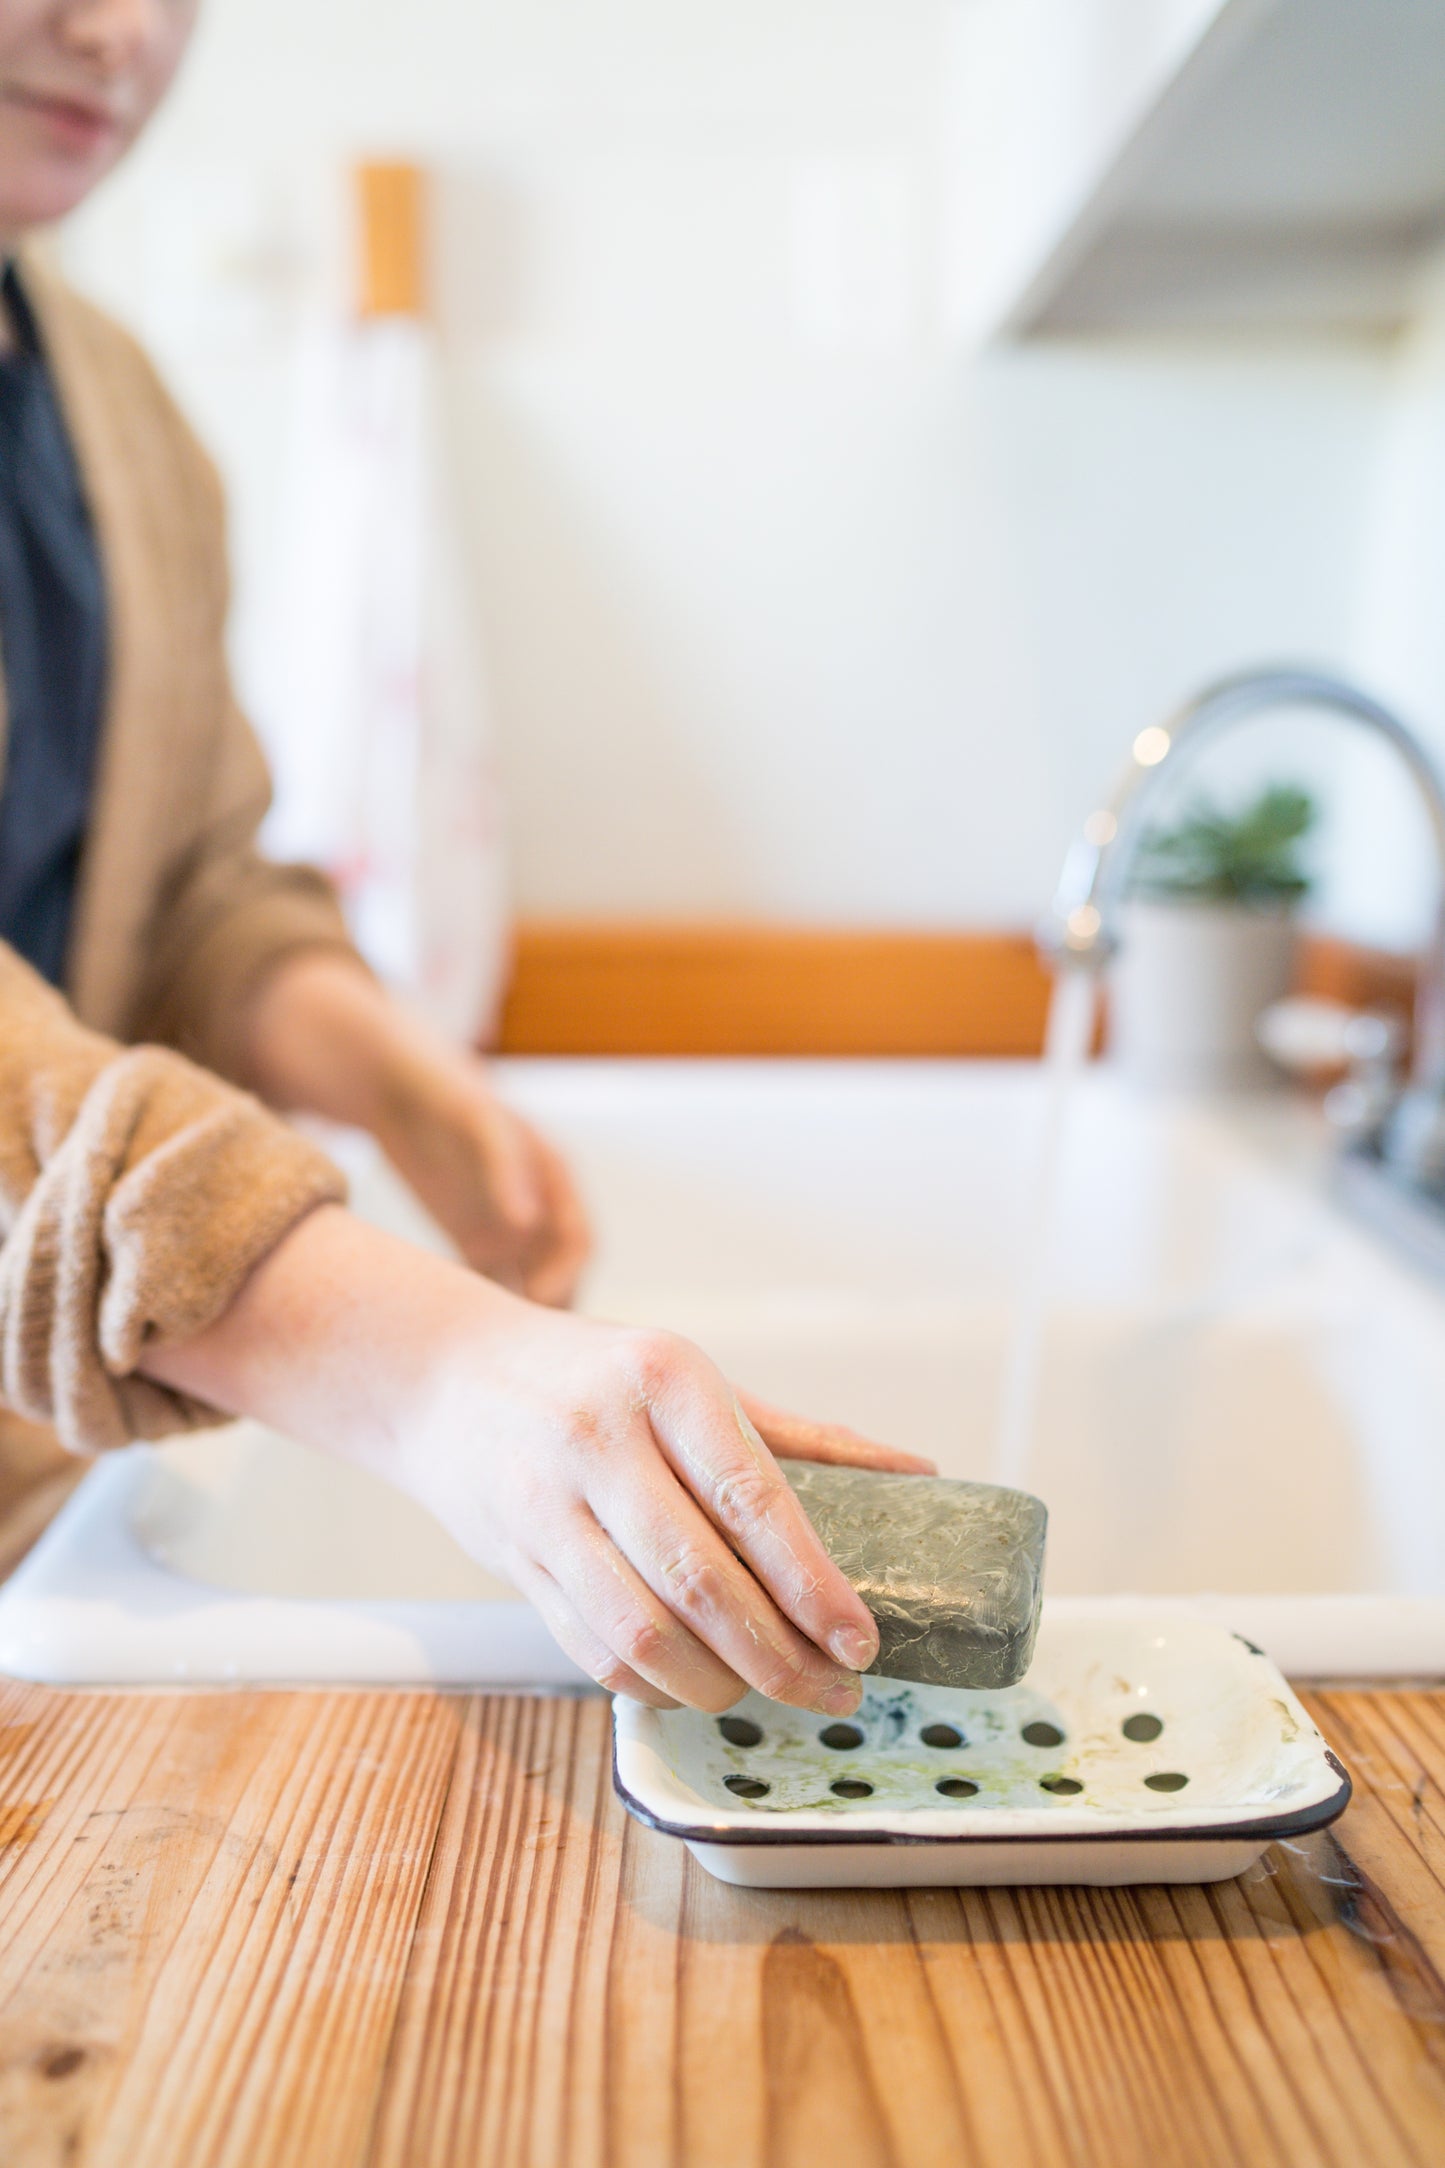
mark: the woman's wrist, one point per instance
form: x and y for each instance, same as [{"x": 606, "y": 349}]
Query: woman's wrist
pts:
[
  {"x": 323, "y": 1037},
  {"x": 340, "y": 1337},
  {"x": 417, "y": 1089}
]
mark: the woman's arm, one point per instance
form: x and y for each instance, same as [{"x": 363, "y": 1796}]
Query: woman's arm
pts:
[
  {"x": 168, "y": 1249},
  {"x": 243, "y": 965},
  {"x": 320, "y": 1035},
  {"x": 610, "y": 1474},
  {"x": 136, "y": 1195}
]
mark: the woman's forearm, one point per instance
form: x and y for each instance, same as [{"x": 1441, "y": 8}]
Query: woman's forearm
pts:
[
  {"x": 610, "y": 1474},
  {"x": 332, "y": 1337},
  {"x": 321, "y": 1036}
]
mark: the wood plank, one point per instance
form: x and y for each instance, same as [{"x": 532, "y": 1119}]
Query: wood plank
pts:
[
  {"x": 502, "y": 2033},
  {"x": 584, "y": 987},
  {"x": 369, "y": 1929},
  {"x": 773, "y": 2028},
  {"x": 205, "y": 1940},
  {"x": 629, "y": 987}
]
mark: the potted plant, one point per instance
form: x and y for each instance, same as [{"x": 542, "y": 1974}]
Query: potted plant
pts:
[{"x": 1207, "y": 941}]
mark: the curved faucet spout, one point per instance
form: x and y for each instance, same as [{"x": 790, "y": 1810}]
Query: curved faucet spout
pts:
[{"x": 1082, "y": 927}]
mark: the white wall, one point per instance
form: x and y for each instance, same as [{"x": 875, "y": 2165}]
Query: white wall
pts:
[{"x": 792, "y": 608}]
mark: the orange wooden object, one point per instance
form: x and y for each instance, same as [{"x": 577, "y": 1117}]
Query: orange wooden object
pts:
[
  {"x": 391, "y": 196},
  {"x": 607, "y": 987}
]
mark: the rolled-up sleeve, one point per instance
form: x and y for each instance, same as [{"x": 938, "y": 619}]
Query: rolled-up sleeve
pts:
[{"x": 137, "y": 1193}]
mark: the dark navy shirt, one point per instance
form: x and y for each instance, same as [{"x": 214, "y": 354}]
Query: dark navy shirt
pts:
[{"x": 53, "y": 652}]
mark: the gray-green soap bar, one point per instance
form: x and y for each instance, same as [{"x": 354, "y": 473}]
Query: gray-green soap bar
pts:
[{"x": 952, "y": 1572}]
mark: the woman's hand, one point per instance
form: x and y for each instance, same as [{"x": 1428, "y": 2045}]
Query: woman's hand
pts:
[
  {"x": 324, "y": 1038},
  {"x": 798, "y": 1437},
  {"x": 496, "y": 1186},
  {"x": 637, "y": 1505},
  {"x": 611, "y": 1474}
]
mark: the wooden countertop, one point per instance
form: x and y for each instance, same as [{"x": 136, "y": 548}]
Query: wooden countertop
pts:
[{"x": 416, "y": 1931}]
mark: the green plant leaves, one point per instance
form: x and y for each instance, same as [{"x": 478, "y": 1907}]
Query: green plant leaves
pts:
[{"x": 1251, "y": 855}]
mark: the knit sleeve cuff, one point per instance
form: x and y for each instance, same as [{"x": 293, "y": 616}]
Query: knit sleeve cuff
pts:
[{"x": 165, "y": 1193}]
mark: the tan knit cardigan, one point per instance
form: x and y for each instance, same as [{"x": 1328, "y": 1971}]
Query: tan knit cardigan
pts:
[{"x": 137, "y": 1190}]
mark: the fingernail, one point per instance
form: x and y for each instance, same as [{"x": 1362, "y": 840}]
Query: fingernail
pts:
[
  {"x": 853, "y": 1646},
  {"x": 842, "y": 1699}
]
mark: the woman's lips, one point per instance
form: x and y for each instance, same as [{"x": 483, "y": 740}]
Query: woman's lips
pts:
[{"x": 71, "y": 121}]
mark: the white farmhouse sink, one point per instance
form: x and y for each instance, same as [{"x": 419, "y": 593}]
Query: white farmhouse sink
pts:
[{"x": 1243, "y": 1401}]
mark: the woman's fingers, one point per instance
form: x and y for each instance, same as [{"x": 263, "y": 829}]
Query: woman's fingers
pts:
[
  {"x": 716, "y": 1451},
  {"x": 580, "y": 1643},
  {"x": 684, "y": 1561},
  {"x": 644, "y": 1637},
  {"x": 795, "y": 1437}
]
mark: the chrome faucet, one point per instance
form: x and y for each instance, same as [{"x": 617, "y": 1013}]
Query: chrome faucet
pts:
[{"x": 1405, "y": 1132}]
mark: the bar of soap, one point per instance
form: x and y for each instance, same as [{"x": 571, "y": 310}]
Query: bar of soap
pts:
[{"x": 952, "y": 1572}]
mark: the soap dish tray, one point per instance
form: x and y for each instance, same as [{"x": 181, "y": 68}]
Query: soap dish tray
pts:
[{"x": 1142, "y": 1747}]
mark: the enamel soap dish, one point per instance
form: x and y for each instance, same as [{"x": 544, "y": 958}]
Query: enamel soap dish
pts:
[{"x": 1139, "y": 1749}]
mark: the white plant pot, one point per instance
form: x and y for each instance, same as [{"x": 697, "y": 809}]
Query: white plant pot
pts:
[{"x": 1187, "y": 987}]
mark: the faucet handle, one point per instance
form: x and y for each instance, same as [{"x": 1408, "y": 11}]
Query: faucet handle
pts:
[
  {"x": 1309, "y": 1036},
  {"x": 1411, "y": 1139},
  {"x": 1373, "y": 1109},
  {"x": 1363, "y": 1105},
  {"x": 1314, "y": 1039}
]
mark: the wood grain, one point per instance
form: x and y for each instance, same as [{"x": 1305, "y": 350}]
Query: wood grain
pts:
[
  {"x": 363, "y": 1930},
  {"x": 630, "y": 987}
]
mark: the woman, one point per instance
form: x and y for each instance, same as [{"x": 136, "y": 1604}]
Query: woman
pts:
[{"x": 170, "y": 1248}]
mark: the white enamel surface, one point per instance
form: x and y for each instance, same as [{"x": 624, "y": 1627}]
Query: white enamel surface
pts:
[
  {"x": 1228, "y": 1723},
  {"x": 818, "y": 1866},
  {"x": 1241, "y": 1398}
]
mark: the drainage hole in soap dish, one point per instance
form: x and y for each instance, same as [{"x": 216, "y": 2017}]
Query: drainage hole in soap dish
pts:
[
  {"x": 1042, "y": 1735},
  {"x": 941, "y": 1735},
  {"x": 1063, "y": 1787},
  {"x": 740, "y": 1731},
  {"x": 852, "y": 1788},
  {"x": 955, "y": 1788},
  {"x": 1142, "y": 1729},
  {"x": 840, "y": 1736},
  {"x": 747, "y": 1787},
  {"x": 1166, "y": 1780}
]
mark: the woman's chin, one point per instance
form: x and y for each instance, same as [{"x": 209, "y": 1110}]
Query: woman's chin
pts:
[
  {"x": 48, "y": 191},
  {"x": 43, "y": 176}
]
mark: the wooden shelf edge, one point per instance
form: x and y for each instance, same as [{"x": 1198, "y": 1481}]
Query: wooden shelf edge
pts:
[{"x": 637, "y": 987}]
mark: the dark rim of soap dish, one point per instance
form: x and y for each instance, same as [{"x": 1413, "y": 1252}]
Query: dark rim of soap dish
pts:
[{"x": 1298, "y": 1822}]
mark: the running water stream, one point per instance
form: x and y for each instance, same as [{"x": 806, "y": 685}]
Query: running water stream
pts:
[{"x": 1066, "y": 1049}]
